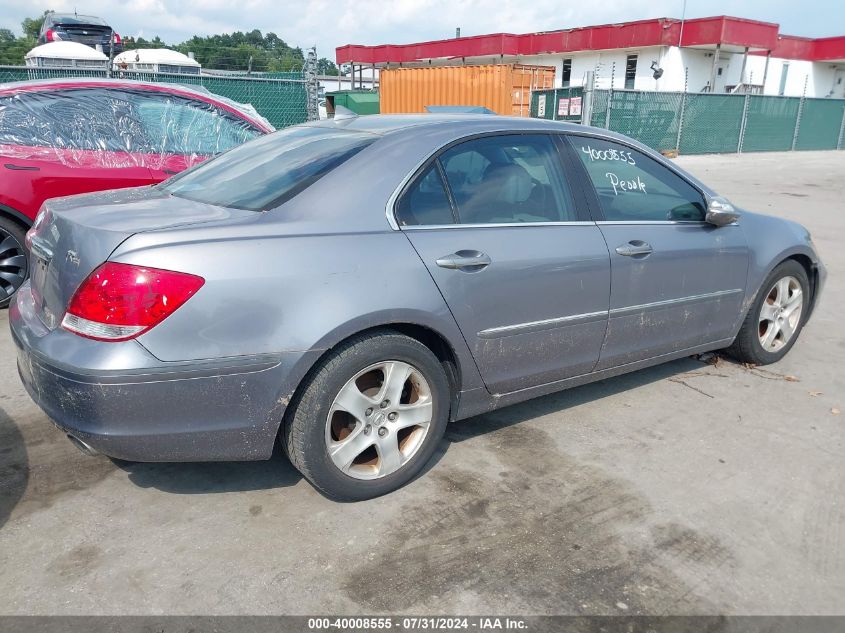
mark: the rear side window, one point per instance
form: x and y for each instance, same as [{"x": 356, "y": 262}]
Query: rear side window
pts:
[
  {"x": 633, "y": 187},
  {"x": 181, "y": 126},
  {"x": 426, "y": 202},
  {"x": 270, "y": 170},
  {"x": 508, "y": 179},
  {"x": 502, "y": 179}
]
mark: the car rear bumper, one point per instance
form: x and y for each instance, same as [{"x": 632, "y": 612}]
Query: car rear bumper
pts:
[{"x": 126, "y": 404}]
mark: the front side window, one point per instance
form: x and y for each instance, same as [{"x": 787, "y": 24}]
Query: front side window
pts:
[
  {"x": 633, "y": 187},
  {"x": 119, "y": 121},
  {"x": 85, "y": 119},
  {"x": 270, "y": 170},
  {"x": 507, "y": 179}
]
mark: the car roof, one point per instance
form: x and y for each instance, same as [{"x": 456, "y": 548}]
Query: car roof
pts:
[
  {"x": 37, "y": 85},
  {"x": 388, "y": 123},
  {"x": 459, "y": 126},
  {"x": 463, "y": 124},
  {"x": 58, "y": 17}
]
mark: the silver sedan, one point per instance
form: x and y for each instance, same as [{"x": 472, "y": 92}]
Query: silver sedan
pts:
[{"x": 349, "y": 287}]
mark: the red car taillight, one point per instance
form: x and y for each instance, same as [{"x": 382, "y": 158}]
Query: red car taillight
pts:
[
  {"x": 118, "y": 302},
  {"x": 116, "y": 38},
  {"x": 52, "y": 36}
]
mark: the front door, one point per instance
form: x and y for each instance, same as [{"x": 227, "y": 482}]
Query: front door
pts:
[
  {"x": 676, "y": 281},
  {"x": 525, "y": 275}
]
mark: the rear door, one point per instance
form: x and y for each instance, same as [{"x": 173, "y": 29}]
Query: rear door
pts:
[
  {"x": 510, "y": 246},
  {"x": 676, "y": 281}
]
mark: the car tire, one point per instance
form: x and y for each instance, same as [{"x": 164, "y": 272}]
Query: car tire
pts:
[
  {"x": 14, "y": 259},
  {"x": 776, "y": 317},
  {"x": 345, "y": 440}
]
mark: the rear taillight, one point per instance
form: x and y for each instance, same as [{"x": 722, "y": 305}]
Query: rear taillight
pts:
[
  {"x": 116, "y": 38},
  {"x": 118, "y": 302},
  {"x": 52, "y": 36}
]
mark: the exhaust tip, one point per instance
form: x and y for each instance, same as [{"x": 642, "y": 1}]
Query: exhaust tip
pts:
[{"x": 82, "y": 446}]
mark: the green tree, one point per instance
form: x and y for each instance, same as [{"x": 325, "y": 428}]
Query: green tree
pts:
[
  {"x": 32, "y": 26},
  {"x": 326, "y": 67},
  {"x": 13, "y": 48},
  {"x": 237, "y": 51}
]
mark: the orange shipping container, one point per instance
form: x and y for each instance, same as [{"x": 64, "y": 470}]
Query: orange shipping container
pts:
[{"x": 503, "y": 88}]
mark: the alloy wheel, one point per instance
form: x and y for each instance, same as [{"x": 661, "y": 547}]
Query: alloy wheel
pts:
[
  {"x": 13, "y": 264},
  {"x": 780, "y": 313},
  {"x": 379, "y": 420}
]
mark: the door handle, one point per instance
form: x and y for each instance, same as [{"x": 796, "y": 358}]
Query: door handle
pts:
[
  {"x": 21, "y": 167},
  {"x": 464, "y": 260},
  {"x": 635, "y": 248}
]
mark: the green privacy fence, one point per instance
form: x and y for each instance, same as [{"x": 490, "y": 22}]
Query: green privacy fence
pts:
[
  {"x": 707, "y": 123},
  {"x": 282, "y": 100},
  {"x": 558, "y": 104}
]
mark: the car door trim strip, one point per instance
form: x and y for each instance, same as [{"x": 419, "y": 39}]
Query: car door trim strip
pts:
[
  {"x": 656, "y": 305},
  {"x": 545, "y": 324},
  {"x": 575, "y": 319}
]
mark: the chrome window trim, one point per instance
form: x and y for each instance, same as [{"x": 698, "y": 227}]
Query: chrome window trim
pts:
[
  {"x": 638, "y": 222},
  {"x": 654, "y": 305},
  {"x": 497, "y": 225},
  {"x": 545, "y": 324}
]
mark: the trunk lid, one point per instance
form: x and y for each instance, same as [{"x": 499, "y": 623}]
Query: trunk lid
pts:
[{"x": 77, "y": 234}]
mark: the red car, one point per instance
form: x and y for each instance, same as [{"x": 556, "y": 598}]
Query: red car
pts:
[{"x": 66, "y": 136}]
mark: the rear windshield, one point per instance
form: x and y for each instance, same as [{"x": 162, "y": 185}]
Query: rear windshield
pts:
[
  {"x": 266, "y": 172},
  {"x": 77, "y": 19}
]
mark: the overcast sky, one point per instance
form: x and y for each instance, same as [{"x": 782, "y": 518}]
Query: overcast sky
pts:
[{"x": 331, "y": 23}]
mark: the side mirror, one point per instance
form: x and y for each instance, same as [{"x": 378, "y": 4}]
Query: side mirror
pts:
[{"x": 720, "y": 212}]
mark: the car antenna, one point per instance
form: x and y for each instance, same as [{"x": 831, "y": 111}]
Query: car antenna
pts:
[{"x": 342, "y": 113}]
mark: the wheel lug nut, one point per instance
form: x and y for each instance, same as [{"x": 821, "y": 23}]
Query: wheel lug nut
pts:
[
  {"x": 367, "y": 429},
  {"x": 391, "y": 416},
  {"x": 382, "y": 432},
  {"x": 385, "y": 404},
  {"x": 369, "y": 412}
]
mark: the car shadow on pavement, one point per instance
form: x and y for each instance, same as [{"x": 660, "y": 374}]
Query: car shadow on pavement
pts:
[
  {"x": 186, "y": 478},
  {"x": 14, "y": 466},
  {"x": 277, "y": 472},
  {"x": 562, "y": 400}
]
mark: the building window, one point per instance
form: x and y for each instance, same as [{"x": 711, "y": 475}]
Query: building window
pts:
[
  {"x": 784, "y": 71},
  {"x": 566, "y": 72},
  {"x": 630, "y": 71}
]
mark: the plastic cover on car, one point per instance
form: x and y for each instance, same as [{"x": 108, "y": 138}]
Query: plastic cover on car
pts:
[{"x": 119, "y": 126}]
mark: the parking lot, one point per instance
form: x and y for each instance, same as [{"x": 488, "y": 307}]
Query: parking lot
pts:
[{"x": 699, "y": 486}]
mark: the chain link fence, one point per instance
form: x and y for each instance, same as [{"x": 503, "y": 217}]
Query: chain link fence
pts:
[
  {"x": 709, "y": 123},
  {"x": 558, "y": 104},
  {"x": 282, "y": 99}
]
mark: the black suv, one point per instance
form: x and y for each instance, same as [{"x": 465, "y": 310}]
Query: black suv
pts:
[{"x": 85, "y": 29}]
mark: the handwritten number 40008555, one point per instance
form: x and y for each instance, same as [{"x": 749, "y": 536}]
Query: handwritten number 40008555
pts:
[{"x": 609, "y": 154}]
